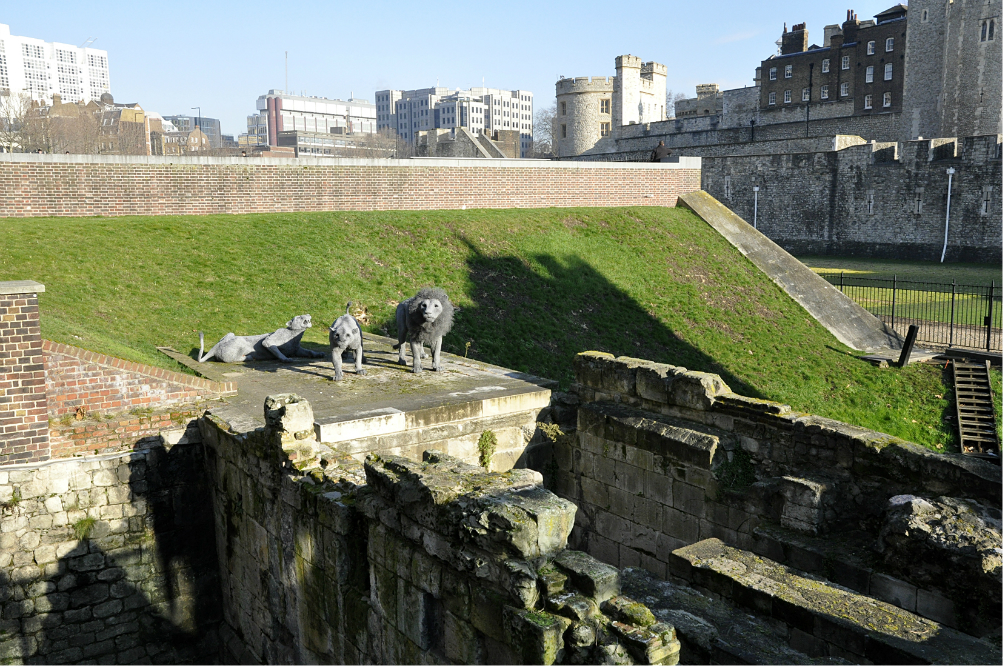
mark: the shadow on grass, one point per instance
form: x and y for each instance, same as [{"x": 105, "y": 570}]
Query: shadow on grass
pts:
[{"x": 536, "y": 321}]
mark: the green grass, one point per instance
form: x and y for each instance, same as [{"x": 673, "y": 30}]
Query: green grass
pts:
[
  {"x": 534, "y": 288},
  {"x": 919, "y": 271}
]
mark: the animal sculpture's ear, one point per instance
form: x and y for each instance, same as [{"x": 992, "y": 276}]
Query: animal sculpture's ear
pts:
[{"x": 289, "y": 323}]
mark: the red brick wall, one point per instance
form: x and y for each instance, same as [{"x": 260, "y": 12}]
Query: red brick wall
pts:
[
  {"x": 43, "y": 185},
  {"x": 24, "y": 428},
  {"x": 77, "y": 378},
  {"x": 69, "y": 437}
]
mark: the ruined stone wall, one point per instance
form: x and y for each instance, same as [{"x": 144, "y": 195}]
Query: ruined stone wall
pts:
[
  {"x": 878, "y": 201},
  {"x": 83, "y": 185},
  {"x": 109, "y": 558},
  {"x": 402, "y": 561},
  {"x": 665, "y": 457}
]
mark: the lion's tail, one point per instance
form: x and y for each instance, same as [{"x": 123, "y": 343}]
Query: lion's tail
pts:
[
  {"x": 398, "y": 345},
  {"x": 348, "y": 308}
]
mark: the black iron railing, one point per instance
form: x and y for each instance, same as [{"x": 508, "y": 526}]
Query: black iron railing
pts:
[{"x": 951, "y": 315}]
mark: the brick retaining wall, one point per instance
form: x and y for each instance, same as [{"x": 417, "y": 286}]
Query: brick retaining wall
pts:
[
  {"x": 77, "y": 379},
  {"x": 83, "y": 185}
]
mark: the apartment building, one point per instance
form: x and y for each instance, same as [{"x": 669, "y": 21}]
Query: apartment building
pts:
[
  {"x": 480, "y": 110},
  {"x": 279, "y": 111},
  {"x": 43, "y": 69}
]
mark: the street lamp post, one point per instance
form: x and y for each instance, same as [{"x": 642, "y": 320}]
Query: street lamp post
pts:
[
  {"x": 947, "y": 220},
  {"x": 755, "y": 207}
]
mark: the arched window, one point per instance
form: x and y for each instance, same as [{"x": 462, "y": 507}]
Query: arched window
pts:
[
  {"x": 992, "y": 30},
  {"x": 985, "y": 27}
]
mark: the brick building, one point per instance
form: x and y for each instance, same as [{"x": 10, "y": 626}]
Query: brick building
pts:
[{"x": 858, "y": 71}]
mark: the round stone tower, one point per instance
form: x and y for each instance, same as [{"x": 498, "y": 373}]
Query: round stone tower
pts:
[{"x": 584, "y": 113}]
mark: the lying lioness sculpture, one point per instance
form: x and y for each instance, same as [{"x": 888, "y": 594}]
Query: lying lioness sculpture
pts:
[{"x": 281, "y": 345}]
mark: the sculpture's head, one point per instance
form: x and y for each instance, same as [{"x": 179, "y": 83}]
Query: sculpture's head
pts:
[
  {"x": 430, "y": 309},
  {"x": 299, "y": 322}
]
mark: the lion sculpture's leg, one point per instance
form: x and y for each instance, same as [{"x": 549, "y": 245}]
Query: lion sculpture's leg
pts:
[
  {"x": 401, "y": 331},
  {"x": 436, "y": 348},
  {"x": 415, "y": 356}
]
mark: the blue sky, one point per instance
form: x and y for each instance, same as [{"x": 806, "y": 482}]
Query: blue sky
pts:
[{"x": 171, "y": 56}]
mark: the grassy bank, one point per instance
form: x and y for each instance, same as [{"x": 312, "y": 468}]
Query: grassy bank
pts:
[
  {"x": 918, "y": 271},
  {"x": 534, "y": 287}
]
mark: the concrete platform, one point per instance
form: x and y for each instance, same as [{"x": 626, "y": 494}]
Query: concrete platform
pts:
[{"x": 391, "y": 410}]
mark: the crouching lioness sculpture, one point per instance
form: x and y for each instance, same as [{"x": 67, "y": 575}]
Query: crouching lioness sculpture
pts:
[
  {"x": 282, "y": 344},
  {"x": 423, "y": 318}
]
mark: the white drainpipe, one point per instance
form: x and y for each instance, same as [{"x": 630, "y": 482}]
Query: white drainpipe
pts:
[
  {"x": 755, "y": 208},
  {"x": 947, "y": 221}
]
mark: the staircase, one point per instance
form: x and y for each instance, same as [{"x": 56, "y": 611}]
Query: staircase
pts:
[{"x": 973, "y": 399}]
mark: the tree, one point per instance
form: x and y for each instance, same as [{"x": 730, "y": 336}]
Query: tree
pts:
[
  {"x": 24, "y": 127},
  {"x": 545, "y": 131},
  {"x": 74, "y": 129},
  {"x": 670, "y": 101}
]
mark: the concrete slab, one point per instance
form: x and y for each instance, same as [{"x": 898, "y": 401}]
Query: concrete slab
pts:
[
  {"x": 391, "y": 409},
  {"x": 851, "y": 324}
]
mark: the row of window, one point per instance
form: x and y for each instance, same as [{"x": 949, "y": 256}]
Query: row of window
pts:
[
  {"x": 988, "y": 31},
  {"x": 844, "y": 61},
  {"x": 844, "y": 91}
]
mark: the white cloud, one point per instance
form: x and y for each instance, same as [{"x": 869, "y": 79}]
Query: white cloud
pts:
[{"x": 736, "y": 37}]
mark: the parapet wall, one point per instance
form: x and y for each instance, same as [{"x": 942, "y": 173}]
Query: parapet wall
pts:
[{"x": 83, "y": 185}]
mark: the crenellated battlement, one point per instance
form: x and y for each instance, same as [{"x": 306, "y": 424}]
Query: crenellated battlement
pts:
[
  {"x": 653, "y": 67},
  {"x": 581, "y": 84},
  {"x": 628, "y": 61}
]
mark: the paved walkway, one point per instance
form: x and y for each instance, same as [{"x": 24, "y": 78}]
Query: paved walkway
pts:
[{"x": 386, "y": 388}]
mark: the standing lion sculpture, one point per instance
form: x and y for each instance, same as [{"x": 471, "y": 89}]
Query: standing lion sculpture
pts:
[
  {"x": 345, "y": 334},
  {"x": 423, "y": 318},
  {"x": 282, "y": 344}
]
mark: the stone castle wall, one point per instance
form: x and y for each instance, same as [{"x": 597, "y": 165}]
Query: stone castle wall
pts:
[
  {"x": 664, "y": 457},
  {"x": 72, "y": 185},
  {"x": 324, "y": 560},
  {"x": 862, "y": 200},
  {"x": 109, "y": 558}
]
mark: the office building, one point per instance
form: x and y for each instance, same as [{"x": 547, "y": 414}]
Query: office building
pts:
[
  {"x": 282, "y": 112},
  {"x": 479, "y": 110},
  {"x": 209, "y": 126},
  {"x": 43, "y": 69}
]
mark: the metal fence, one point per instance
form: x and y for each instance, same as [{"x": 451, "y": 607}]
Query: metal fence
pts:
[{"x": 949, "y": 315}]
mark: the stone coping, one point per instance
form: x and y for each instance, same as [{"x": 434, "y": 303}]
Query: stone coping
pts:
[
  {"x": 412, "y": 163},
  {"x": 21, "y": 287},
  {"x": 221, "y": 387},
  {"x": 388, "y": 399},
  {"x": 822, "y": 614}
]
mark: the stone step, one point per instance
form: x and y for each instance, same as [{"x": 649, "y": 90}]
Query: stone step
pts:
[
  {"x": 712, "y": 631},
  {"x": 849, "y": 560},
  {"x": 821, "y": 618}
]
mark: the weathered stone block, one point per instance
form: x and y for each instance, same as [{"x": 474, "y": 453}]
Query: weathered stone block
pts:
[
  {"x": 697, "y": 390},
  {"x": 894, "y": 591},
  {"x": 537, "y": 636},
  {"x": 460, "y": 641},
  {"x": 597, "y": 580}
]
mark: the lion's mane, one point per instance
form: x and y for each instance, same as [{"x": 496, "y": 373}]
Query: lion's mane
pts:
[{"x": 419, "y": 330}]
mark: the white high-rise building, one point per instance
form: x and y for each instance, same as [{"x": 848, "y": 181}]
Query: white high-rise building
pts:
[
  {"x": 480, "y": 110},
  {"x": 43, "y": 69}
]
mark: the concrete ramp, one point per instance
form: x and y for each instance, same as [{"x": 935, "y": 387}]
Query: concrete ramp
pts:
[{"x": 851, "y": 324}]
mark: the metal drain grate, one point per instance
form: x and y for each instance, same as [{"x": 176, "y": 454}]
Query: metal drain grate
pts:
[{"x": 973, "y": 399}]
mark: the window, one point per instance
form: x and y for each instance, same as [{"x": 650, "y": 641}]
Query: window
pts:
[
  {"x": 868, "y": 101},
  {"x": 869, "y": 74},
  {"x": 988, "y": 31},
  {"x": 727, "y": 186},
  {"x": 985, "y": 28},
  {"x": 987, "y": 199},
  {"x": 889, "y": 45},
  {"x": 806, "y": 94},
  {"x": 870, "y": 203},
  {"x": 773, "y": 73},
  {"x": 824, "y": 92},
  {"x": 787, "y": 97},
  {"x": 564, "y": 108},
  {"x": 603, "y": 129},
  {"x": 788, "y": 71},
  {"x": 773, "y": 98},
  {"x": 845, "y": 62},
  {"x": 886, "y": 100},
  {"x": 870, "y": 48},
  {"x": 825, "y": 66},
  {"x": 926, "y": 15},
  {"x": 844, "y": 89},
  {"x": 604, "y": 105},
  {"x": 564, "y": 131},
  {"x": 919, "y": 202}
]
